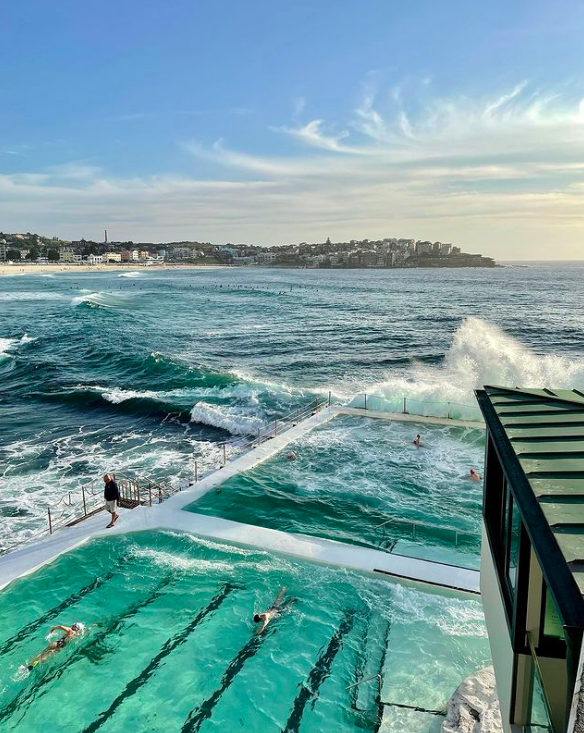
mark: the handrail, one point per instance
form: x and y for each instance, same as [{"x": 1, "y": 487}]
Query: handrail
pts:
[
  {"x": 429, "y": 526},
  {"x": 406, "y": 401},
  {"x": 367, "y": 679},
  {"x": 76, "y": 505}
]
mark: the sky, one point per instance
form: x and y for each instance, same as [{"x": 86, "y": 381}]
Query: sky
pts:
[{"x": 273, "y": 122}]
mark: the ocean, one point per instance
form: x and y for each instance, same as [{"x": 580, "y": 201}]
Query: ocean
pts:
[{"x": 143, "y": 372}]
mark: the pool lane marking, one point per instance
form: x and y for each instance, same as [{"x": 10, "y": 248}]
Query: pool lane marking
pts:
[
  {"x": 319, "y": 673},
  {"x": 28, "y": 694},
  {"x": 52, "y": 613},
  {"x": 169, "y": 646},
  {"x": 202, "y": 712}
]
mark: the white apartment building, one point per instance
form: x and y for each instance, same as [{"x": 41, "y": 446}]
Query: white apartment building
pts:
[
  {"x": 112, "y": 257},
  {"x": 266, "y": 258}
]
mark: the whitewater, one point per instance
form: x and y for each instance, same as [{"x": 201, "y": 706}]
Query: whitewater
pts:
[{"x": 145, "y": 374}]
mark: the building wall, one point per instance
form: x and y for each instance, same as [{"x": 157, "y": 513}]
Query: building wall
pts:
[{"x": 499, "y": 640}]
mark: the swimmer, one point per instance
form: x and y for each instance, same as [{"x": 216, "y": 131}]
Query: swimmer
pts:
[
  {"x": 291, "y": 456},
  {"x": 474, "y": 476},
  {"x": 55, "y": 646},
  {"x": 273, "y": 612},
  {"x": 417, "y": 441}
]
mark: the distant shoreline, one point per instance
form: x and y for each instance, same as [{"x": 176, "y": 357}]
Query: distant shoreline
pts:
[{"x": 20, "y": 269}]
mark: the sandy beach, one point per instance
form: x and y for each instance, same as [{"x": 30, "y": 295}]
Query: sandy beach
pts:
[{"x": 20, "y": 269}]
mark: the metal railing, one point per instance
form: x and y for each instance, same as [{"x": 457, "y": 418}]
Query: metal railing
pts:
[
  {"x": 235, "y": 449},
  {"x": 430, "y": 530},
  {"x": 412, "y": 406},
  {"x": 86, "y": 501}
]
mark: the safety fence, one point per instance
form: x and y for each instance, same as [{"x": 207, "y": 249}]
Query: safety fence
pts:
[
  {"x": 397, "y": 527},
  {"x": 411, "y": 406},
  {"x": 77, "y": 505}
]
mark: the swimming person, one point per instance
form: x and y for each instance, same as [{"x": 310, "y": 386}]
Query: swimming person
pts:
[
  {"x": 474, "y": 475},
  {"x": 273, "y": 611},
  {"x": 417, "y": 441},
  {"x": 55, "y": 646},
  {"x": 291, "y": 456},
  {"x": 111, "y": 494}
]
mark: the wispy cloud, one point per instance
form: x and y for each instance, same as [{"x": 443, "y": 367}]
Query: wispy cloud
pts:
[
  {"x": 499, "y": 171},
  {"x": 312, "y": 134}
]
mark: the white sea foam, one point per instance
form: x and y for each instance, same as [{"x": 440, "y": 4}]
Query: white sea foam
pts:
[
  {"x": 227, "y": 418},
  {"x": 481, "y": 353},
  {"x": 131, "y": 274},
  {"x": 7, "y": 346},
  {"x": 181, "y": 562},
  {"x": 25, "y": 295}
]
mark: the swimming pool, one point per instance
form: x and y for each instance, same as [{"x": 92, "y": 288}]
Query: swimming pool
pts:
[
  {"x": 362, "y": 481},
  {"x": 170, "y": 644}
]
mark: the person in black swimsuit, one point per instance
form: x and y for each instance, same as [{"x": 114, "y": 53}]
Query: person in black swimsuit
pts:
[{"x": 55, "y": 646}]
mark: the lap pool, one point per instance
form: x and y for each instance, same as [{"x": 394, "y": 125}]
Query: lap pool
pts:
[
  {"x": 170, "y": 644},
  {"x": 362, "y": 481}
]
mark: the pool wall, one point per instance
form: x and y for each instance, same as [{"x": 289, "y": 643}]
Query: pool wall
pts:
[{"x": 170, "y": 515}]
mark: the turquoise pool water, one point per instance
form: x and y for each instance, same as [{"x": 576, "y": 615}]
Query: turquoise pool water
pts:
[
  {"x": 171, "y": 645},
  {"x": 353, "y": 474}
]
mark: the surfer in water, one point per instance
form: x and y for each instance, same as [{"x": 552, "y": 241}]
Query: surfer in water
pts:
[
  {"x": 70, "y": 632},
  {"x": 273, "y": 612},
  {"x": 417, "y": 441}
]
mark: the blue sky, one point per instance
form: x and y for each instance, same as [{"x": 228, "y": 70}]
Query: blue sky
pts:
[{"x": 272, "y": 122}]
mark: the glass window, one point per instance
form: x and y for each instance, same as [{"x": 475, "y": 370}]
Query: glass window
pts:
[
  {"x": 513, "y": 539},
  {"x": 552, "y": 622},
  {"x": 539, "y": 720}
]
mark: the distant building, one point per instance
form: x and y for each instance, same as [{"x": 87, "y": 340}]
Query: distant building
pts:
[
  {"x": 94, "y": 259},
  {"x": 112, "y": 257},
  {"x": 126, "y": 255},
  {"x": 445, "y": 249},
  {"x": 266, "y": 258},
  {"x": 423, "y": 248}
]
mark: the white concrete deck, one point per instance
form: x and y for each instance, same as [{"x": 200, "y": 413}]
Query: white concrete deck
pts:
[
  {"x": 171, "y": 515},
  {"x": 406, "y": 417}
]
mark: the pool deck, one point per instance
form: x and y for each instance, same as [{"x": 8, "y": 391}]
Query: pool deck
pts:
[
  {"x": 406, "y": 417},
  {"x": 170, "y": 515}
]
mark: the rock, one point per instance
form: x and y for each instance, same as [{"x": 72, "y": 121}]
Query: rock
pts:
[{"x": 474, "y": 707}]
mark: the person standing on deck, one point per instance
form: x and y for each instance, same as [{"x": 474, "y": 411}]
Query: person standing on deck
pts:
[{"x": 111, "y": 494}]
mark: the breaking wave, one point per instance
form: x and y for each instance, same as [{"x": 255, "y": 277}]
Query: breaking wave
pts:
[
  {"x": 226, "y": 418},
  {"x": 480, "y": 354},
  {"x": 131, "y": 274},
  {"x": 7, "y": 346},
  {"x": 104, "y": 300}
]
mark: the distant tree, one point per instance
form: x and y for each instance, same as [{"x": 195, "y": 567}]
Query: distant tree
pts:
[
  {"x": 13, "y": 254},
  {"x": 33, "y": 254},
  {"x": 53, "y": 255}
]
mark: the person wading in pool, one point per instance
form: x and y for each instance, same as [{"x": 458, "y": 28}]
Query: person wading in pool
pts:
[
  {"x": 55, "y": 646},
  {"x": 273, "y": 612},
  {"x": 417, "y": 441},
  {"x": 111, "y": 494}
]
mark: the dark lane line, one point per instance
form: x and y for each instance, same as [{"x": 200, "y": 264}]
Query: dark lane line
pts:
[
  {"x": 56, "y": 610},
  {"x": 53, "y": 673},
  {"x": 197, "y": 717},
  {"x": 319, "y": 673},
  {"x": 134, "y": 685}
]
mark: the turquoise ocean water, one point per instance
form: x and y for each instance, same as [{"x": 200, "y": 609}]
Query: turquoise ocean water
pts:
[{"x": 140, "y": 373}]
